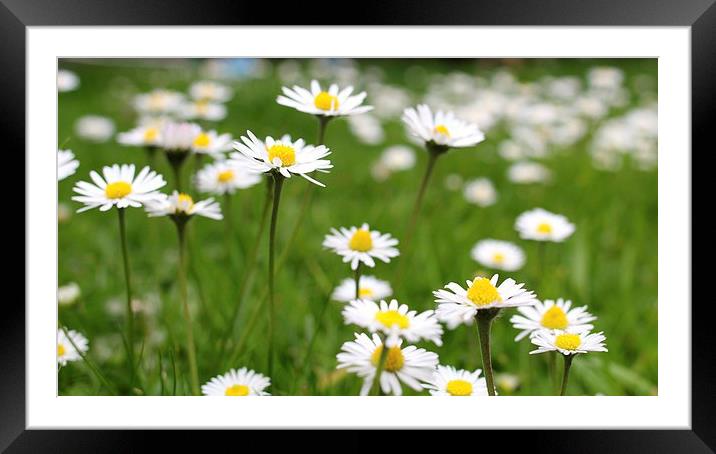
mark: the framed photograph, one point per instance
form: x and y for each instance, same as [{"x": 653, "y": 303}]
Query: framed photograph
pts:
[{"x": 352, "y": 224}]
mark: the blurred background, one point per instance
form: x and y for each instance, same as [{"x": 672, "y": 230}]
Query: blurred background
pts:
[{"x": 573, "y": 136}]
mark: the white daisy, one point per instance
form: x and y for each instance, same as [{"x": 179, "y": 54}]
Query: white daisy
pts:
[
  {"x": 66, "y": 164},
  {"x": 398, "y": 158},
  {"x": 67, "y": 352},
  {"x": 442, "y": 129},
  {"x": 119, "y": 187},
  {"x": 457, "y": 305},
  {"x": 331, "y": 103},
  {"x": 541, "y": 225},
  {"x": 526, "y": 172},
  {"x": 225, "y": 177},
  {"x": 67, "y": 80},
  {"x": 357, "y": 245},
  {"x": 409, "y": 365},
  {"x": 202, "y": 110},
  {"x": 209, "y": 90},
  {"x": 181, "y": 204},
  {"x": 143, "y": 135},
  {"x": 369, "y": 288},
  {"x": 283, "y": 156},
  {"x": 568, "y": 343},
  {"x": 393, "y": 319},
  {"x": 211, "y": 143},
  {"x": 552, "y": 315},
  {"x": 499, "y": 255},
  {"x": 448, "y": 381},
  {"x": 242, "y": 382},
  {"x": 158, "y": 102},
  {"x": 94, "y": 128},
  {"x": 68, "y": 294},
  {"x": 179, "y": 137},
  {"x": 481, "y": 192}
]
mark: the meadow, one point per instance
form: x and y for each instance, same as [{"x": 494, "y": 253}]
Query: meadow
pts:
[{"x": 608, "y": 264}]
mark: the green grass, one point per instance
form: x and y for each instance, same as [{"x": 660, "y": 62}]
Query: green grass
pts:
[{"x": 610, "y": 263}]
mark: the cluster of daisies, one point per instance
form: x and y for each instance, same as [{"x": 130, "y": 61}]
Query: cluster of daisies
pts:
[{"x": 383, "y": 353}]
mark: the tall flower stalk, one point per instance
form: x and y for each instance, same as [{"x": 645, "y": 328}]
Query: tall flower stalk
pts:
[
  {"x": 277, "y": 185},
  {"x": 484, "y": 327},
  {"x": 565, "y": 374},
  {"x": 180, "y": 207},
  {"x": 129, "y": 313}
]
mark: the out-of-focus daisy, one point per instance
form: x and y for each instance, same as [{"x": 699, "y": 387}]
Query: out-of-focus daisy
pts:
[
  {"x": 242, "y": 382},
  {"x": 283, "y": 156},
  {"x": 225, "y": 177},
  {"x": 158, "y": 102},
  {"x": 394, "y": 320},
  {"x": 68, "y": 294},
  {"x": 500, "y": 255},
  {"x": 541, "y": 225},
  {"x": 144, "y": 135},
  {"x": 179, "y": 137},
  {"x": 448, "y": 381},
  {"x": 480, "y": 192},
  {"x": 453, "y": 182},
  {"x": 605, "y": 78},
  {"x": 316, "y": 101},
  {"x": 118, "y": 186},
  {"x": 527, "y": 172},
  {"x": 367, "y": 129},
  {"x": 211, "y": 143},
  {"x": 507, "y": 382},
  {"x": 552, "y": 314},
  {"x": 209, "y": 90},
  {"x": 182, "y": 205},
  {"x": 442, "y": 129},
  {"x": 369, "y": 288},
  {"x": 94, "y": 128},
  {"x": 66, "y": 352},
  {"x": 398, "y": 157},
  {"x": 66, "y": 164},
  {"x": 360, "y": 244},
  {"x": 409, "y": 365},
  {"x": 202, "y": 110},
  {"x": 67, "y": 80},
  {"x": 457, "y": 305},
  {"x": 64, "y": 213},
  {"x": 567, "y": 342}
]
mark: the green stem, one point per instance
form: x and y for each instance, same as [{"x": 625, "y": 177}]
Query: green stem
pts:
[
  {"x": 322, "y": 122},
  {"x": 412, "y": 223},
  {"x": 90, "y": 364},
  {"x": 484, "y": 323},
  {"x": 552, "y": 364},
  {"x": 278, "y": 183},
  {"x": 357, "y": 279},
  {"x": 176, "y": 159},
  {"x": 128, "y": 284},
  {"x": 565, "y": 377},
  {"x": 190, "y": 346},
  {"x": 375, "y": 389}
]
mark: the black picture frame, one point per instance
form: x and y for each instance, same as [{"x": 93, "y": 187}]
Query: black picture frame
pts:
[{"x": 700, "y": 15}]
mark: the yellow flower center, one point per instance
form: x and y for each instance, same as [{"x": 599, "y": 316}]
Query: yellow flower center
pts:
[
  {"x": 237, "y": 390},
  {"x": 544, "y": 228},
  {"x": 61, "y": 350},
  {"x": 117, "y": 190},
  {"x": 482, "y": 292},
  {"x": 554, "y": 318},
  {"x": 150, "y": 134},
  {"x": 326, "y": 101},
  {"x": 393, "y": 363},
  {"x": 442, "y": 129},
  {"x": 361, "y": 241},
  {"x": 156, "y": 101},
  {"x": 392, "y": 318},
  {"x": 285, "y": 153},
  {"x": 184, "y": 202},
  {"x": 202, "y": 107},
  {"x": 459, "y": 388},
  {"x": 226, "y": 176},
  {"x": 365, "y": 293},
  {"x": 202, "y": 140},
  {"x": 498, "y": 257},
  {"x": 568, "y": 341}
]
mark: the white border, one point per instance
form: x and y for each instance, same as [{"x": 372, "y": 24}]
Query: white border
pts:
[{"x": 671, "y": 409}]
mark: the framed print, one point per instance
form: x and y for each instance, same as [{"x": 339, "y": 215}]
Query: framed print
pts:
[{"x": 350, "y": 225}]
